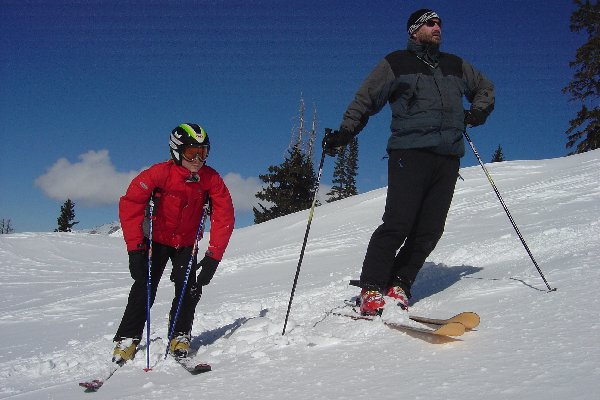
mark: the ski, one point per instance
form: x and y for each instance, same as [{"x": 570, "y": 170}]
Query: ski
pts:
[
  {"x": 93, "y": 385},
  {"x": 192, "y": 366},
  {"x": 442, "y": 334},
  {"x": 470, "y": 320},
  {"x": 451, "y": 328}
]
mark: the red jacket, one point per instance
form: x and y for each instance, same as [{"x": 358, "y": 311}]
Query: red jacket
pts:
[{"x": 177, "y": 208}]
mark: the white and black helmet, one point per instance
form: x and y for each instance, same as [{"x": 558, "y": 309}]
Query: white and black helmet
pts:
[{"x": 187, "y": 135}]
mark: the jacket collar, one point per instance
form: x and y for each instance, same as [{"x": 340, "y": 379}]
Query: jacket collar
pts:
[
  {"x": 184, "y": 172},
  {"x": 428, "y": 53}
]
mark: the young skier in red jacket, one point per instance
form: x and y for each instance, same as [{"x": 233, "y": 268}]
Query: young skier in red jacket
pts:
[{"x": 179, "y": 188}]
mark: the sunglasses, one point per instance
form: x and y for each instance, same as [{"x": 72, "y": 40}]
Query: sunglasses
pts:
[
  {"x": 195, "y": 153},
  {"x": 431, "y": 23}
]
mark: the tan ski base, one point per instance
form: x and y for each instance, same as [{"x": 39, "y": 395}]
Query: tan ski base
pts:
[
  {"x": 470, "y": 320},
  {"x": 438, "y": 336}
]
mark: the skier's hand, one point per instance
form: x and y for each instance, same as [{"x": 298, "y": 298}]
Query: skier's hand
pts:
[
  {"x": 336, "y": 140},
  {"x": 208, "y": 267},
  {"x": 138, "y": 264},
  {"x": 475, "y": 117}
]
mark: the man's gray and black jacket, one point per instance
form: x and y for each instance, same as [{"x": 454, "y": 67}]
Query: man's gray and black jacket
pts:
[{"x": 425, "y": 89}]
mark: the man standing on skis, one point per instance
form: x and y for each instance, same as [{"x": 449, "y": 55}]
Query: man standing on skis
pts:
[
  {"x": 179, "y": 189},
  {"x": 425, "y": 89}
]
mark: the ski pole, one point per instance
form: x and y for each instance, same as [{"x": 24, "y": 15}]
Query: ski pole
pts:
[
  {"x": 187, "y": 275},
  {"x": 310, "y": 217},
  {"x": 149, "y": 285},
  {"x": 512, "y": 221}
]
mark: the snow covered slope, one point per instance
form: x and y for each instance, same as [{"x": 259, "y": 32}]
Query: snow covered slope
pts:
[{"x": 63, "y": 296}]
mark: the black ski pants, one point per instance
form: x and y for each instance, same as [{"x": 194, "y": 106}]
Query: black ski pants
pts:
[
  {"x": 134, "y": 317},
  {"x": 420, "y": 189}
]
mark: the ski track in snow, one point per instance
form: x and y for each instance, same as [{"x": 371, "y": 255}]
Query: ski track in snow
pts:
[{"x": 64, "y": 294}]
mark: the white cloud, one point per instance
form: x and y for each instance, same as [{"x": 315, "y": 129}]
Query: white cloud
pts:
[
  {"x": 93, "y": 181},
  {"x": 242, "y": 191}
]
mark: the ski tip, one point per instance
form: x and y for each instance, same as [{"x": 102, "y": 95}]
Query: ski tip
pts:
[
  {"x": 450, "y": 329},
  {"x": 203, "y": 368},
  {"x": 91, "y": 386},
  {"x": 199, "y": 369},
  {"x": 469, "y": 319}
]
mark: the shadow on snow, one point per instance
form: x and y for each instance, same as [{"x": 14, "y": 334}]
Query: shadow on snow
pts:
[
  {"x": 435, "y": 278},
  {"x": 209, "y": 337}
]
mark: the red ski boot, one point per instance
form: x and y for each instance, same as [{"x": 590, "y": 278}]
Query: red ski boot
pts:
[
  {"x": 371, "y": 302},
  {"x": 399, "y": 296}
]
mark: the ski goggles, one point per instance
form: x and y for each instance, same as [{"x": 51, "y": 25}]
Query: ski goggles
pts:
[{"x": 195, "y": 153}]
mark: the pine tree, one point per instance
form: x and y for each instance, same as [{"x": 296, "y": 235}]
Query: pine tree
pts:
[
  {"x": 584, "y": 130},
  {"x": 312, "y": 135},
  {"x": 344, "y": 173},
  {"x": 337, "y": 190},
  {"x": 66, "y": 219},
  {"x": 289, "y": 187},
  {"x": 300, "y": 135},
  {"x": 498, "y": 155},
  {"x": 352, "y": 169},
  {"x": 6, "y": 226}
]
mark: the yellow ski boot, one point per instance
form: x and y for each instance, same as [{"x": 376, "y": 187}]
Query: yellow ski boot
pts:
[
  {"x": 125, "y": 349},
  {"x": 180, "y": 345}
]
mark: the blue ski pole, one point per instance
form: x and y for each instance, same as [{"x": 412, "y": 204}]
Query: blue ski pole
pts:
[{"x": 187, "y": 275}]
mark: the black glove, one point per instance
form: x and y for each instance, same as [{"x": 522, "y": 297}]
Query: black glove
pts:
[
  {"x": 138, "y": 264},
  {"x": 335, "y": 140},
  {"x": 475, "y": 117},
  {"x": 209, "y": 267}
]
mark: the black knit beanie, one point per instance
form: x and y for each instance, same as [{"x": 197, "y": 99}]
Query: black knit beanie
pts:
[{"x": 418, "y": 18}]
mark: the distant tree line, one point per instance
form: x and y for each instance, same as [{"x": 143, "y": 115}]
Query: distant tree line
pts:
[
  {"x": 6, "y": 226},
  {"x": 66, "y": 219}
]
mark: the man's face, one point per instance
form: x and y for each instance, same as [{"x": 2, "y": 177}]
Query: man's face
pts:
[{"x": 430, "y": 32}]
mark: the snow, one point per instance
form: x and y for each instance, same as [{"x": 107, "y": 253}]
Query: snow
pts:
[{"x": 63, "y": 295}]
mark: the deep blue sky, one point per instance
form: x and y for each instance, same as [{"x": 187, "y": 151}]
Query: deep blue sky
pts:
[{"x": 91, "y": 89}]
